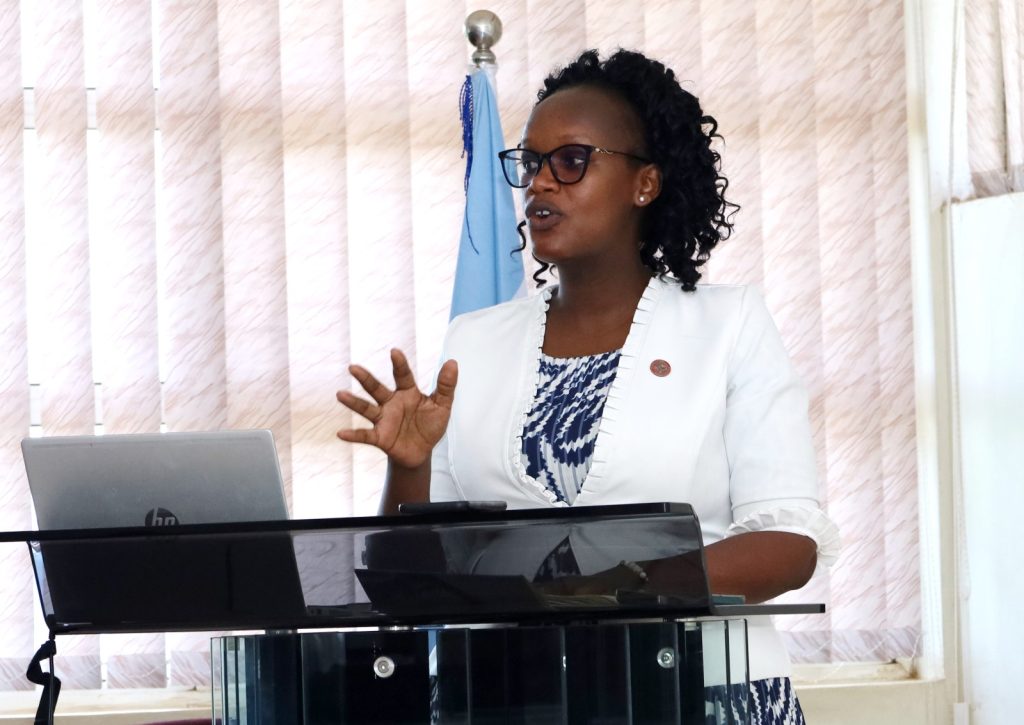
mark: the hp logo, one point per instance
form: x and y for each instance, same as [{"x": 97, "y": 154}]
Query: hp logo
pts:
[{"x": 161, "y": 517}]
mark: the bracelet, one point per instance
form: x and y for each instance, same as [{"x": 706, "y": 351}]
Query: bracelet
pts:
[{"x": 635, "y": 568}]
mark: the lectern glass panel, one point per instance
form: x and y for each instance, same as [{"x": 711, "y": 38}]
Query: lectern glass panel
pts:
[
  {"x": 538, "y": 565},
  {"x": 637, "y": 672}
]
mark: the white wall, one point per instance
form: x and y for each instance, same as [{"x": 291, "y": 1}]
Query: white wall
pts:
[{"x": 988, "y": 288}]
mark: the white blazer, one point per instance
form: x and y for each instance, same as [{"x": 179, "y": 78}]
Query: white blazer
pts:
[{"x": 725, "y": 430}]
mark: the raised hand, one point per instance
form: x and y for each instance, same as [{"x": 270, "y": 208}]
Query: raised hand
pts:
[{"x": 406, "y": 423}]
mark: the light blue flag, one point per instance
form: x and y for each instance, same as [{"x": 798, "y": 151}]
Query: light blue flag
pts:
[{"x": 489, "y": 270}]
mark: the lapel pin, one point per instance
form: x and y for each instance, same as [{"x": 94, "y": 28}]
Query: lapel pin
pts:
[{"x": 661, "y": 368}]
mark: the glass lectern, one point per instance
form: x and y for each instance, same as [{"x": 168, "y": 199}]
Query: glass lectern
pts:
[{"x": 537, "y": 616}]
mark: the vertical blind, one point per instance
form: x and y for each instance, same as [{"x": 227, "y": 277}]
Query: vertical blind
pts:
[
  {"x": 208, "y": 208},
  {"x": 993, "y": 43}
]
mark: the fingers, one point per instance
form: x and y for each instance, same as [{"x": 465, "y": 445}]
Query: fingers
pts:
[
  {"x": 447, "y": 377},
  {"x": 359, "y": 435},
  {"x": 404, "y": 379},
  {"x": 357, "y": 405},
  {"x": 371, "y": 385}
]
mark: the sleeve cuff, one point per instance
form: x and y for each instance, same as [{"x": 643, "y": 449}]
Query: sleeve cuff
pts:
[{"x": 809, "y": 522}]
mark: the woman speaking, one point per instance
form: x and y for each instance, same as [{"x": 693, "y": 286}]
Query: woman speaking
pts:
[{"x": 627, "y": 381}]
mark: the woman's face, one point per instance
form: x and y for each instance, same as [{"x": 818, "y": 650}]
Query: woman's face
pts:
[{"x": 599, "y": 215}]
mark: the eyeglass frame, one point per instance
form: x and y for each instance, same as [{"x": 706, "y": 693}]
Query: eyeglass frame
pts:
[{"x": 503, "y": 155}]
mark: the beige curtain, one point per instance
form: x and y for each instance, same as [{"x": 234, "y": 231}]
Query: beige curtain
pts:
[
  {"x": 16, "y": 602},
  {"x": 289, "y": 199},
  {"x": 994, "y": 54}
]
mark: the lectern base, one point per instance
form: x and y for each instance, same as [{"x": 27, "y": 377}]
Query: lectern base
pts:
[{"x": 639, "y": 672}]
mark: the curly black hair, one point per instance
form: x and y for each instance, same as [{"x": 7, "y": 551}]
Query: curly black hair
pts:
[{"x": 691, "y": 215}]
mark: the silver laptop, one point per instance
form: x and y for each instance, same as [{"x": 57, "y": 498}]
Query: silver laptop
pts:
[{"x": 160, "y": 479}]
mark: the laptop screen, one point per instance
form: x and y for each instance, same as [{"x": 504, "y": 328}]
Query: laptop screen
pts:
[{"x": 80, "y": 482}]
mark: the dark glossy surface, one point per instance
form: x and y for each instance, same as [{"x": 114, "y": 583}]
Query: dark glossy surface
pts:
[
  {"x": 514, "y": 518},
  {"x": 475, "y": 566},
  {"x": 640, "y": 672}
]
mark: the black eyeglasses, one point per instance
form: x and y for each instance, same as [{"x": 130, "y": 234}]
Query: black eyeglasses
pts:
[{"x": 568, "y": 163}]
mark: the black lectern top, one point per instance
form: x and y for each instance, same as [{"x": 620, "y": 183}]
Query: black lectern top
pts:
[{"x": 559, "y": 565}]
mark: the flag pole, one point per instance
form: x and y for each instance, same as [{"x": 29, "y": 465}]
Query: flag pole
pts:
[
  {"x": 483, "y": 30},
  {"x": 489, "y": 267}
]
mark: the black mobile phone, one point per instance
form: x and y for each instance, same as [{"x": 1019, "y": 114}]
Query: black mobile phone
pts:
[{"x": 445, "y": 507}]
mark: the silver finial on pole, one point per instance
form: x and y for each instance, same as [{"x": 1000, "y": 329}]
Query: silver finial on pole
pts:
[{"x": 483, "y": 30}]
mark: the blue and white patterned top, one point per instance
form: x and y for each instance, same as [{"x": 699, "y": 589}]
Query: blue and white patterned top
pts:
[{"x": 561, "y": 427}]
